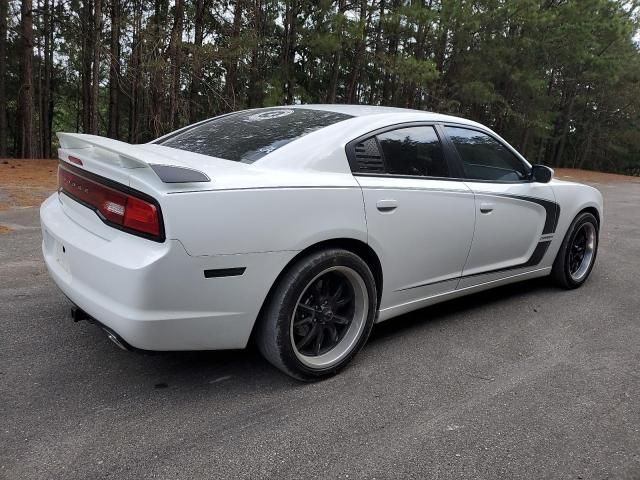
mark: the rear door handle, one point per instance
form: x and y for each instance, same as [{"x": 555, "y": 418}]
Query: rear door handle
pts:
[
  {"x": 486, "y": 207},
  {"x": 386, "y": 206}
]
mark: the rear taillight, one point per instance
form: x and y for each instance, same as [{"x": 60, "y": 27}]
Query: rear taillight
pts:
[{"x": 116, "y": 205}]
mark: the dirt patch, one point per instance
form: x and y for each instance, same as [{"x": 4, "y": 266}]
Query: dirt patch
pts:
[
  {"x": 4, "y": 229},
  {"x": 26, "y": 183},
  {"x": 589, "y": 176}
]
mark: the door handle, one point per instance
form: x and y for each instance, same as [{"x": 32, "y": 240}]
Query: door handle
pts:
[
  {"x": 386, "y": 206},
  {"x": 486, "y": 207}
]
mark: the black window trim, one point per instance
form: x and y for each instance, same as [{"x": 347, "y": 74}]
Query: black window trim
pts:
[
  {"x": 452, "y": 162},
  {"x": 451, "y": 155}
]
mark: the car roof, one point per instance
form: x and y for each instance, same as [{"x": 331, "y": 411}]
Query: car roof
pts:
[
  {"x": 324, "y": 149},
  {"x": 354, "y": 110},
  {"x": 391, "y": 112}
]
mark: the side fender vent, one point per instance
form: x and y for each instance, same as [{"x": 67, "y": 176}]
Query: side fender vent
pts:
[{"x": 368, "y": 158}]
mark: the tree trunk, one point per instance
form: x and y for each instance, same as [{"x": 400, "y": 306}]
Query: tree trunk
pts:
[
  {"x": 586, "y": 152},
  {"x": 86, "y": 46},
  {"x": 38, "y": 84},
  {"x": 360, "y": 53},
  {"x": 134, "y": 66},
  {"x": 175, "y": 54},
  {"x": 389, "y": 87},
  {"x": 157, "y": 86},
  {"x": 95, "y": 87},
  {"x": 114, "y": 72},
  {"x": 337, "y": 56},
  {"x": 562, "y": 127},
  {"x": 441, "y": 44},
  {"x": 196, "y": 72},
  {"x": 26, "y": 90},
  {"x": 376, "y": 54},
  {"x": 51, "y": 83},
  {"x": 524, "y": 143},
  {"x": 46, "y": 93},
  {"x": 4, "y": 6},
  {"x": 414, "y": 97},
  {"x": 287, "y": 59},
  {"x": 231, "y": 80},
  {"x": 255, "y": 75}
]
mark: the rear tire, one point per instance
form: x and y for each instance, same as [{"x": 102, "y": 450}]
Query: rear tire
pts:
[
  {"x": 577, "y": 254},
  {"x": 319, "y": 315}
]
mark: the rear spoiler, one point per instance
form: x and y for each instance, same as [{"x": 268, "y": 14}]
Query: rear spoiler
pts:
[{"x": 125, "y": 155}]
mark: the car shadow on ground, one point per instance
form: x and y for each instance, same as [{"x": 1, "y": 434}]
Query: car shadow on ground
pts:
[
  {"x": 441, "y": 312},
  {"x": 227, "y": 370}
]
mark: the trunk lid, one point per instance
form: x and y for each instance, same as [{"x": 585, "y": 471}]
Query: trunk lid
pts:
[
  {"x": 124, "y": 162},
  {"x": 135, "y": 167}
]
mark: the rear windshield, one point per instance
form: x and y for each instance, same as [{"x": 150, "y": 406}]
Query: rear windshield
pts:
[{"x": 247, "y": 136}]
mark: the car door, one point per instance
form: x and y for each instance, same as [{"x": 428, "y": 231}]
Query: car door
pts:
[
  {"x": 515, "y": 217},
  {"x": 419, "y": 220}
]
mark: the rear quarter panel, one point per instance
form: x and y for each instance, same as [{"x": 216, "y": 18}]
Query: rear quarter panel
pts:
[{"x": 238, "y": 221}]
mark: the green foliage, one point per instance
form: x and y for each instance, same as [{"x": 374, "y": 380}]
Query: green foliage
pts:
[{"x": 559, "y": 79}]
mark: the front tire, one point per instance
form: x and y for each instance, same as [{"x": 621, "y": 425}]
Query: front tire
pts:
[
  {"x": 319, "y": 315},
  {"x": 577, "y": 254}
]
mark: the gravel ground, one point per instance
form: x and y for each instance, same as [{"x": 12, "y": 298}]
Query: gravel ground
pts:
[{"x": 525, "y": 381}]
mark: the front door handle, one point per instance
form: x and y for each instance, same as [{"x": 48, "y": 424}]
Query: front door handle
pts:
[
  {"x": 386, "y": 206},
  {"x": 486, "y": 207}
]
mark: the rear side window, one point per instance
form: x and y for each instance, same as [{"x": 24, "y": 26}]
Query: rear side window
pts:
[
  {"x": 413, "y": 151},
  {"x": 247, "y": 136},
  {"x": 484, "y": 158}
]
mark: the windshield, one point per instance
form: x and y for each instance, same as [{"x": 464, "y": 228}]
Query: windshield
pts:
[{"x": 247, "y": 136}]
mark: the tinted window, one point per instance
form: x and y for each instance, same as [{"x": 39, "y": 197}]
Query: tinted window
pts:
[
  {"x": 484, "y": 158},
  {"x": 413, "y": 151},
  {"x": 248, "y": 136}
]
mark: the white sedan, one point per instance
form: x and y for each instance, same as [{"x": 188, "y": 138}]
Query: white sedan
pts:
[{"x": 301, "y": 227}]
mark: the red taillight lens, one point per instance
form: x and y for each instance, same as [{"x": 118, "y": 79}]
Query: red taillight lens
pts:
[
  {"x": 115, "y": 207},
  {"x": 142, "y": 216}
]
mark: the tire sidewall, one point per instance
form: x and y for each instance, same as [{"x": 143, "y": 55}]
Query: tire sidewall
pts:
[
  {"x": 294, "y": 285},
  {"x": 566, "y": 247}
]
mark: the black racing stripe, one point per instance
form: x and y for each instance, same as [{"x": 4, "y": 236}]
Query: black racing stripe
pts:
[
  {"x": 551, "y": 208},
  {"x": 538, "y": 253},
  {"x": 224, "y": 272},
  {"x": 534, "y": 259}
]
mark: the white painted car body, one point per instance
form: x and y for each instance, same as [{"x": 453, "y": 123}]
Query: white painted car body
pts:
[{"x": 434, "y": 245}]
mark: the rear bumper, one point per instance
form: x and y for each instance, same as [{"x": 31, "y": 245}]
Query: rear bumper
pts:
[{"x": 154, "y": 295}]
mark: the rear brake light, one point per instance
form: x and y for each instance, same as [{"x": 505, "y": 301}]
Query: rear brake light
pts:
[
  {"x": 142, "y": 216},
  {"x": 117, "y": 206}
]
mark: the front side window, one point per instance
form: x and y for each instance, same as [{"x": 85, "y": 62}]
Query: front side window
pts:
[
  {"x": 413, "y": 151},
  {"x": 484, "y": 158},
  {"x": 247, "y": 136}
]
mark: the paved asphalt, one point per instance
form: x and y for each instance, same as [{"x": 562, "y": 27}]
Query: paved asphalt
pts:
[{"x": 527, "y": 381}]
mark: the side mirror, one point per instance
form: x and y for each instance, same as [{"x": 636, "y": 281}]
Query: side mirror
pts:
[{"x": 541, "y": 174}]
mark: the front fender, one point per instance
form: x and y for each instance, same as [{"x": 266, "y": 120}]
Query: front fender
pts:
[{"x": 573, "y": 198}]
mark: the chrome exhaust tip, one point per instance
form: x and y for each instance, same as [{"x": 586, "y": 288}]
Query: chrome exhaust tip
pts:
[
  {"x": 117, "y": 339},
  {"x": 78, "y": 315}
]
